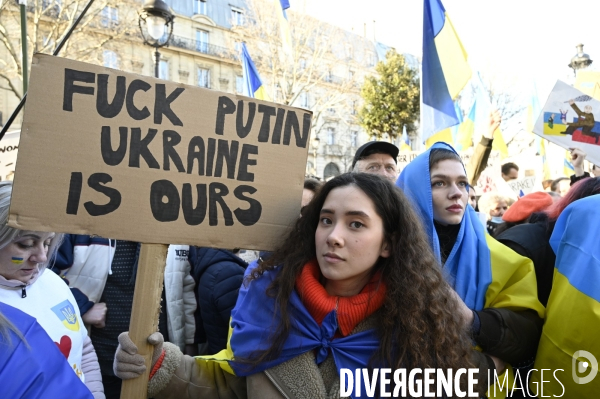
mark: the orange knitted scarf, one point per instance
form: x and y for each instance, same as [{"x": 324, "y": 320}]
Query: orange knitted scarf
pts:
[{"x": 350, "y": 310}]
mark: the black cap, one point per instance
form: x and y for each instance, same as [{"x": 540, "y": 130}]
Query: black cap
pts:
[{"x": 375, "y": 146}]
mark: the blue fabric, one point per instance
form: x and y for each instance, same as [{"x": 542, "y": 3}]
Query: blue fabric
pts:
[
  {"x": 37, "y": 371},
  {"x": 218, "y": 274},
  {"x": 252, "y": 80},
  {"x": 468, "y": 268},
  {"x": 435, "y": 90},
  {"x": 575, "y": 243},
  {"x": 253, "y": 319}
]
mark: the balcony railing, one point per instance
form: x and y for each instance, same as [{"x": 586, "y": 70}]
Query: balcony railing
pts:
[{"x": 202, "y": 47}]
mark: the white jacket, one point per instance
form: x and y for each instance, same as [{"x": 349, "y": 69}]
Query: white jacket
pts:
[{"x": 91, "y": 266}]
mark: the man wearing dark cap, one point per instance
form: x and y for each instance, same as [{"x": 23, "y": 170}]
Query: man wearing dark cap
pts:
[{"x": 377, "y": 157}]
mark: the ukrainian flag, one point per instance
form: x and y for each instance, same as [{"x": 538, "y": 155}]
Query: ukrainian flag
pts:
[
  {"x": 545, "y": 165},
  {"x": 570, "y": 334},
  {"x": 284, "y": 25},
  {"x": 253, "y": 86},
  {"x": 466, "y": 129},
  {"x": 404, "y": 142},
  {"x": 445, "y": 70},
  {"x": 568, "y": 166},
  {"x": 447, "y": 135}
]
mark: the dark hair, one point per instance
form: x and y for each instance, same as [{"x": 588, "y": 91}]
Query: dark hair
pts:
[
  {"x": 583, "y": 188},
  {"x": 441, "y": 154},
  {"x": 312, "y": 184},
  {"x": 547, "y": 183},
  {"x": 508, "y": 166},
  {"x": 417, "y": 324},
  {"x": 555, "y": 183}
]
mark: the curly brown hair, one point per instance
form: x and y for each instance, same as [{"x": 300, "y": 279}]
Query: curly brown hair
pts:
[{"x": 417, "y": 325}]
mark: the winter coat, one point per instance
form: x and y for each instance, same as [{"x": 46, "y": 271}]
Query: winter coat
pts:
[
  {"x": 85, "y": 262},
  {"x": 532, "y": 241},
  {"x": 218, "y": 274},
  {"x": 34, "y": 367}
]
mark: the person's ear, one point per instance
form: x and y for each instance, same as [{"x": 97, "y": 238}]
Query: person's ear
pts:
[{"x": 385, "y": 250}]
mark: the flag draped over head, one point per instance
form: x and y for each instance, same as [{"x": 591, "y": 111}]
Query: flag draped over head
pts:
[
  {"x": 284, "y": 24},
  {"x": 253, "y": 86},
  {"x": 568, "y": 166},
  {"x": 445, "y": 70},
  {"x": 570, "y": 335}
]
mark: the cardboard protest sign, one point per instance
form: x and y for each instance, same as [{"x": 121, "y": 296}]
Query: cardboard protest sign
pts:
[
  {"x": 570, "y": 119},
  {"x": 132, "y": 157},
  {"x": 9, "y": 147},
  {"x": 525, "y": 185}
]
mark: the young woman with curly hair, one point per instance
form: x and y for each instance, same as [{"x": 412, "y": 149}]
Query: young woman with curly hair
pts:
[{"x": 353, "y": 285}]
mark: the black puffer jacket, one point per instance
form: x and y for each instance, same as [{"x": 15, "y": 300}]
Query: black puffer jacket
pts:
[{"x": 218, "y": 274}]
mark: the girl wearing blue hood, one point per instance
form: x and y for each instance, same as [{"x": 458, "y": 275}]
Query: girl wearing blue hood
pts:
[{"x": 497, "y": 287}]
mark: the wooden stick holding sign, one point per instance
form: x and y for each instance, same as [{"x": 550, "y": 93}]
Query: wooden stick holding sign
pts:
[{"x": 144, "y": 314}]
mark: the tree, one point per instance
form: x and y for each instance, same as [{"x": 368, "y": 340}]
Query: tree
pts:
[
  {"x": 48, "y": 22},
  {"x": 320, "y": 72},
  {"x": 391, "y": 100}
]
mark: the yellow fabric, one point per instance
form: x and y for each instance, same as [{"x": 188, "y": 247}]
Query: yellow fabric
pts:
[
  {"x": 499, "y": 144},
  {"x": 572, "y": 324},
  {"x": 223, "y": 356},
  {"x": 444, "y": 135},
  {"x": 514, "y": 287},
  {"x": 453, "y": 59},
  {"x": 261, "y": 94},
  {"x": 464, "y": 138}
]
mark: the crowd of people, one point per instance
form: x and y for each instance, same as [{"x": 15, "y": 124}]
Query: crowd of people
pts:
[{"x": 382, "y": 269}]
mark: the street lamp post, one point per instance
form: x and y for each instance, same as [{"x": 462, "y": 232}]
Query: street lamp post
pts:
[
  {"x": 580, "y": 60},
  {"x": 316, "y": 141},
  {"x": 157, "y": 18}
]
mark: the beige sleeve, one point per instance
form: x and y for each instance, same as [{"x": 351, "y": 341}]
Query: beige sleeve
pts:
[{"x": 181, "y": 376}]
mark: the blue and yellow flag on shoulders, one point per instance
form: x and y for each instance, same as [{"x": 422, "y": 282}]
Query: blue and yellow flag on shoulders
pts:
[
  {"x": 253, "y": 86},
  {"x": 445, "y": 70},
  {"x": 570, "y": 337}
]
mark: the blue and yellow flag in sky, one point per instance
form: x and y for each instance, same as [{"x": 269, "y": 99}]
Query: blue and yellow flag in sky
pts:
[
  {"x": 464, "y": 138},
  {"x": 445, "y": 70},
  {"x": 404, "y": 141},
  {"x": 284, "y": 25},
  {"x": 569, "y": 169},
  {"x": 253, "y": 86},
  {"x": 570, "y": 335}
]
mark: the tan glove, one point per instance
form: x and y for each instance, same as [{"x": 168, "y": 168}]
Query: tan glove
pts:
[{"x": 128, "y": 363}]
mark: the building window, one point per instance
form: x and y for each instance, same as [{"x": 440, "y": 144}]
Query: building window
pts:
[
  {"x": 353, "y": 138},
  {"x": 237, "y": 16},
  {"x": 354, "y": 110},
  {"x": 109, "y": 59},
  {"x": 329, "y": 76},
  {"x": 302, "y": 63},
  {"x": 163, "y": 69},
  {"x": 200, "y": 7},
  {"x": 350, "y": 75},
  {"x": 330, "y": 136},
  {"x": 204, "y": 77},
  {"x": 370, "y": 59},
  {"x": 202, "y": 41},
  {"x": 239, "y": 84},
  {"x": 110, "y": 16},
  {"x": 349, "y": 51},
  {"x": 331, "y": 170},
  {"x": 304, "y": 99}
]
